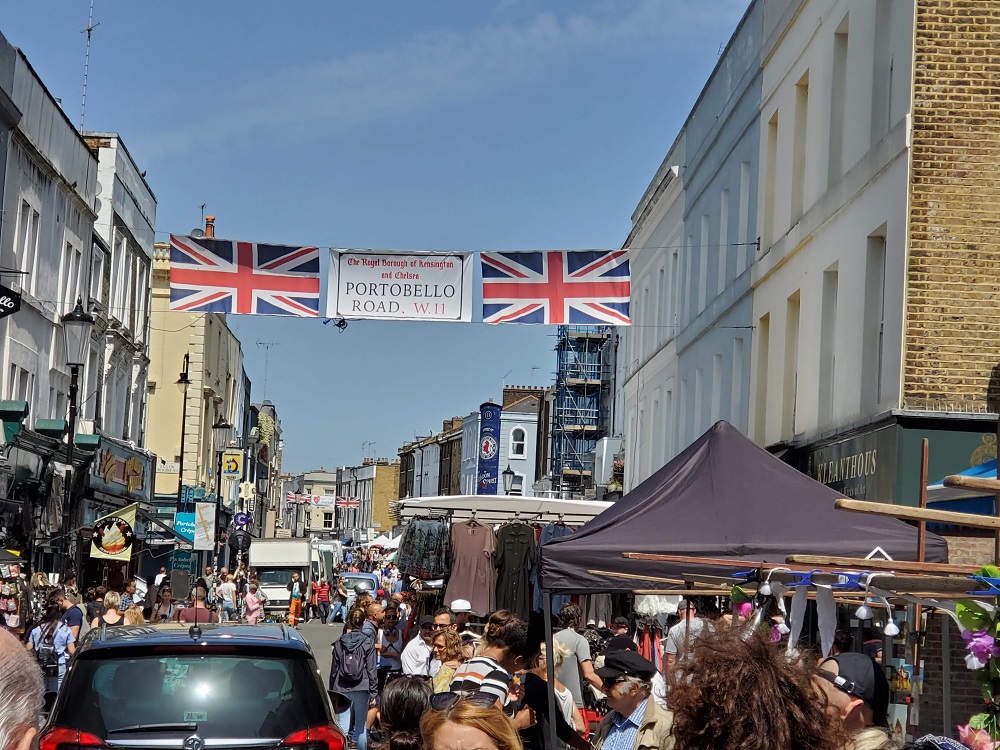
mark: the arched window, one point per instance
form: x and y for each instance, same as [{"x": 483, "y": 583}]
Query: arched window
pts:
[{"x": 517, "y": 443}]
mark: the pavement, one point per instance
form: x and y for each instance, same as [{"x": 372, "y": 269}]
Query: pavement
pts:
[{"x": 320, "y": 637}]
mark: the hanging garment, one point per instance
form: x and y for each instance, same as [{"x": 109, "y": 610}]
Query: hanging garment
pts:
[
  {"x": 423, "y": 548},
  {"x": 552, "y": 531},
  {"x": 473, "y": 576},
  {"x": 516, "y": 551},
  {"x": 598, "y": 610}
]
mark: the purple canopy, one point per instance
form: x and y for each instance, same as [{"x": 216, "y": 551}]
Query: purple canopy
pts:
[{"x": 723, "y": 497}]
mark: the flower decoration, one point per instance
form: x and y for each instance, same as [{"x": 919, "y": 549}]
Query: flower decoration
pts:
[
  {"x": 976, "y": 739},
  {"x": 980, "y": 624}
]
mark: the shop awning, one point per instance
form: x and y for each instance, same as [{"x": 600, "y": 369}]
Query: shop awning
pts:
[
  {"x": 502, "y": 508},
  {"x": 937, "y": 492}
]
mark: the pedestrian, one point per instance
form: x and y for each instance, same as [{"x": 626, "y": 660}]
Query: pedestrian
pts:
[
  {"x": 197, "y": 612},
  {"x": 737, "y": 690},
  {"x": 166, "y": 610},
  {"x": 128, "y": 595},
  {"x": 22, "y": 694},
  {"x": 226, "y": 597},
  {"x": 296, "y": 594},
  {"x": 72, "y": 616},
  {"x": 151, "y": 598},
  {"x": 404, "y": 701},
  {"x": 458, "y": 721},
  {"x": 447, "y": 647},
  {"x": 253, "y": 605},
  {"x": 96, "y": 607},
  {"x": 416, "y": 657},
  {"x": 578, "y": 662},
  {"x": 339, "y": 599},
  {"x": 507, "y": 648},
  {"x": 568, "y": 718},
  {"x": 112, "y": 615},
  {"x": 681, "y": 636},
  {"x": 391, "y": 641},
  {"x": 312, "y": 610},
  {"x": 72, "y": 592},
  {"x": 208, "y": 582},
  {"x": 856, "y": 689},
  {"x": 53, "y": 643},
  {"x": 134, "y": 616},
  {"x": 353, "y": 676},
  {"x": 160, "y": 578},
  {"x": 635, "y": 721},
  {"x": 323, "y": 600}
]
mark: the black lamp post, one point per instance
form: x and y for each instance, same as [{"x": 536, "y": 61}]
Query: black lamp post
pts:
[
  {"x": 220, "y": 433},
  {"x": 508, "y": 479},
  {"x": 77, "y": 324},
  {"x": 182, "y": 383}
]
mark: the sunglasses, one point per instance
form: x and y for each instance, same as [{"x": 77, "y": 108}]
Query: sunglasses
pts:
[
  {"x": 439, "y": 626},
  {"x": 445, "y": 701}
]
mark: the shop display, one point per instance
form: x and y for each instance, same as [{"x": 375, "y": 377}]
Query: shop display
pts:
[
  {"x": 424, "y": 548},
  {"x": 473, "y": 577},
  {"x": 515, "y": 557},
  {"x": 11, "y": 597}
]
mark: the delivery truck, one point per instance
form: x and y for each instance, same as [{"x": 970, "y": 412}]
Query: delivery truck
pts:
[{"x": 273, "y": 561}]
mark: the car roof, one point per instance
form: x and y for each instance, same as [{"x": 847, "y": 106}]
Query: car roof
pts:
[{"x": 278, "y": 637}]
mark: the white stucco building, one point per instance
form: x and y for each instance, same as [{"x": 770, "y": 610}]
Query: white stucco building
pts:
[{"x": 518, "y": 442}]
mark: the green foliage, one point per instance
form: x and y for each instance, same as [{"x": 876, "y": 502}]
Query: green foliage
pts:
[{"x": 972, "y": 616}]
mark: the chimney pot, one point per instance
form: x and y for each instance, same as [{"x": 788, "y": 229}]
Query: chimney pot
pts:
[{"x": 209, "y": 226}]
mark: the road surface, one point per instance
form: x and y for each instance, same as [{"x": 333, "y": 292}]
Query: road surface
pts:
[{"x": 319, "y": 637}]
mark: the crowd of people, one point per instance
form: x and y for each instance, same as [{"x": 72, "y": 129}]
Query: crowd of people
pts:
[{"x": 723, "y": 685}]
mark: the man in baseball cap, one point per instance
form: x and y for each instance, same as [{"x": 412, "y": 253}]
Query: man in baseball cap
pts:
[
  {"x": 619, "y": 626},
  {"x": 857, "y": 690},
  {"x": 635, "y": 721}
]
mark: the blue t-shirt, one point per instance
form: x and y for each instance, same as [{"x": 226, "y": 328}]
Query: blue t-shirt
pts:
[
  {"x": 73, "y": 617},
  {"x": 349, "y": 558},
  {"x": 61, "y": 638},
  {"x": 296, "y": 590}
]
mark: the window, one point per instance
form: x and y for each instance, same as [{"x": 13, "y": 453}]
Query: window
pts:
[
  {"x": 69, "y": 281},
  {"x": 27, "y": 243},
  {"x": 723, "y": 250},
  {"x": 97, "y": 273},
  {"x": 770, "y": 180},
  {"x": 760, "y": 401},
  {"x": 741, "y": 230},
  {"x": 791, "y": 375},
  {"x": 21, "y": 385},
  {"x": 799, "y": 145},
  {"x": 517, "y": 443},
  {"x": 827, "y": 344},
  {"x": 703, "y": 264},
  {"x": 873, "y": 322},
  {"x": 328, "y": 521},
  {"x": 838, "y": 103}
]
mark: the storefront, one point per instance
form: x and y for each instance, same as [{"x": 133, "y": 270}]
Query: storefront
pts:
[
  {"x": 881, "y": 462},
  {"x": 119, "y": 475}
]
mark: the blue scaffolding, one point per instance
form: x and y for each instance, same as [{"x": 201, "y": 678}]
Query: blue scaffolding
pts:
[{"x": 580, "y": 411}]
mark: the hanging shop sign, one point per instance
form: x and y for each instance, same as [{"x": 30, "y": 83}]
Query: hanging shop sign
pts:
[
  {"x": 400, "y": 286},
  {"x": 204, "y": 526},
  {"x": 10, "y": 301},
  {"x": 232, "y": 465},
  {"x": 120, "y": 471},
  {"x": 184, "y": 525},
  {"x": 489, "y": 449},
  {"x": 114, "y": 535}
]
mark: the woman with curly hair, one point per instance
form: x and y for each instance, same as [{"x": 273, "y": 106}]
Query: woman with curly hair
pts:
[
  {"x": 447, "y": 648},
  {"x": 739, "y": 692}
]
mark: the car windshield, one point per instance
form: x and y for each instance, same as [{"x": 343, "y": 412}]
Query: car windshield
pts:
[
  {"x": 352, "y": 582},
  {"x": 233, "y": 697},
  {"x": 274, "y": 576}
]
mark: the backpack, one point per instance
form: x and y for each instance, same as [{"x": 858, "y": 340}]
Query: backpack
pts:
[
  {"x": 46, "y": 654},
  {"x": 85, "y": 625},
  {"x": 351, "y": 661}
]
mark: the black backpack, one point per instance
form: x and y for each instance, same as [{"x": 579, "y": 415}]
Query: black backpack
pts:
[
  {"x": 46, "y": 654},
  {"x": 352, "y": 661}
]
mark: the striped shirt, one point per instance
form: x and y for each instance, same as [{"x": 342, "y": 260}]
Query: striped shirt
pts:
[
  {"x": 624, "y": 729},
  {"x": 482, "y": 674}
]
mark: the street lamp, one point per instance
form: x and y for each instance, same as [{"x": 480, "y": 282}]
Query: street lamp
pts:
[
  {"x": 220, "y": 433},
  {"x": 77, "y": 324},
  {"x": 182, "y": 383},
  {"x": 508, "y": 479}
]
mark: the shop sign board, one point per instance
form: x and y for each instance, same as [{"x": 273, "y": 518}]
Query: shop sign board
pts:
[
  {"x": 204, "y": 526},
  {"x": 184, "y": 525},
  {"x": 489, "y": 449},
  {"x": 120, "y": 471}
]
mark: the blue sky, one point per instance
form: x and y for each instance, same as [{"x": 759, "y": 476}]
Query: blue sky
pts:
[{"x": 431, "y": 125}]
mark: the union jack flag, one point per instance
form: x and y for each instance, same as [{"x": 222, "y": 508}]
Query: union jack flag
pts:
[
  {"x": 585, "y": 287},
  {"x": 348, "y": 502},
  {"x": 211, "y": 275}
]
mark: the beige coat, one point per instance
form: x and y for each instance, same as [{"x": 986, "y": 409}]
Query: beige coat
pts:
[{"x": 654, "y": 731}]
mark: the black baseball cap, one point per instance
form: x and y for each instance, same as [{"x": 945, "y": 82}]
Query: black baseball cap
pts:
[
  {"x": 619, "y": 643},
  {"x": 620, "y": 622},
  {"x": 426, "y": 621},
  {"x": 859, "y": 675},
  {"x": 625, "y": 664}
]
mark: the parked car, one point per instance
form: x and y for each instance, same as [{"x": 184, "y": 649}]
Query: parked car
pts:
[
  {"x": 173, "y": 687},
  {"x": 366, "y": 581}
]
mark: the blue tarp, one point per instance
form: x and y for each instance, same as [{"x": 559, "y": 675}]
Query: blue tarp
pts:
[{"x": 937, "y": 493}]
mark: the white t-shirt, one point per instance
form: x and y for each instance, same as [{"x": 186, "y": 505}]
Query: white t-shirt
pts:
[
  {"x": 392, "y": 650},
  {"x": 227, "y": 592},
  {"x": 682, "y": 635},
  {"x": 416, "y": 658}
]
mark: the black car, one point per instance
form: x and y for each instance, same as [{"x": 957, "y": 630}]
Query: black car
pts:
[{"x": 175, "y": 687}]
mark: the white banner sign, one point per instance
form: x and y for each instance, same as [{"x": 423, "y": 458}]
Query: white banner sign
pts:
[
  {"x": 399, "y": 286},
  {"x": 204, "y": 526}
]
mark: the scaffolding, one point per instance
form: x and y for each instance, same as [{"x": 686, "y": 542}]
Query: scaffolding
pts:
[{"x": 580, "y": 411}]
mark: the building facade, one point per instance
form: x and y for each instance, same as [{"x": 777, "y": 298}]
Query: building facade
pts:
[
  {"x": 120, "y": 288},
  {"x": 432, "y": 465},
  {"x": 517, "y": 448}
]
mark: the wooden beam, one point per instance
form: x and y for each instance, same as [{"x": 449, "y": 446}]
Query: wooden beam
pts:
[
  {"x": 910, "y": 513},
  {"x": 990, "y": 486},
  {"x": 860, "y": 563}
]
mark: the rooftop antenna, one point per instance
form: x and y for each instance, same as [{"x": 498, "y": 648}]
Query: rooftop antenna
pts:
[
  {"x": 266, "y": 346},
  {"x": 86, "y": 61}
]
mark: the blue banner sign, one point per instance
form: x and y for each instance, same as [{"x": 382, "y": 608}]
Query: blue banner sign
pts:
[
  {"x": 184, "y": 525},
  {"x": 489, "y": 449}
]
